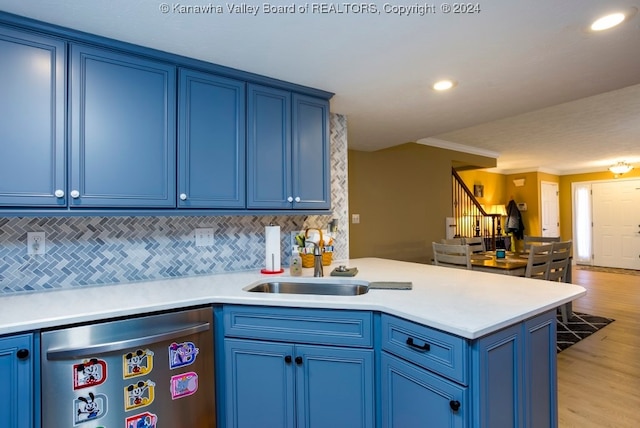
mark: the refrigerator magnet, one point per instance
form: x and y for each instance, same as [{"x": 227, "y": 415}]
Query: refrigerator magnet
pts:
[
  {"x": 142, "y": 420},
  {"x": 139, "y": 394},
  {"x": 138, "y": 363},
  {"x": 183, "y": 385},
  {"x": 88, "y": 373},
  {"x": 89, "y": 408},
  {"x": 182, "y": 354}
]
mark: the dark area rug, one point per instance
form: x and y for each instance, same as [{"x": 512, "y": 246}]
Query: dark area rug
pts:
[
  {"x": 579, "y": 326},
  {"x": 608, "y": 270}
]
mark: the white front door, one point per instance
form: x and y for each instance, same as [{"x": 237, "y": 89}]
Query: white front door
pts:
[
  {"x": 616, "y": 224},
  {"x": 550, "y": 209}
]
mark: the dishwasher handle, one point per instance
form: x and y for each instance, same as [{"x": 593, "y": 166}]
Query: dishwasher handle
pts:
[{"x": 101, "y": 348}]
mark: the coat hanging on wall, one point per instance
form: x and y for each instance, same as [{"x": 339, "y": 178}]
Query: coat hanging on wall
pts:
[{"x": 514, "y": 220}]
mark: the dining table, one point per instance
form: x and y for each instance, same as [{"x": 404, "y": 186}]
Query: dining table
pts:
[{"x": 513, "y": 264}]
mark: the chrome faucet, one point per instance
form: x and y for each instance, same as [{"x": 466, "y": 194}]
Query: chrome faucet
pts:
[{"x": 318, "y": 271}]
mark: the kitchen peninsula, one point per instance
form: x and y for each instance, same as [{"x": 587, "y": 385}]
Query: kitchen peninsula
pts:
[{"x": 461, "y": 348}]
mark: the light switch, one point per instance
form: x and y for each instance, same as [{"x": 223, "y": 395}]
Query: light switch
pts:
[{"x": 355, "y": 218}]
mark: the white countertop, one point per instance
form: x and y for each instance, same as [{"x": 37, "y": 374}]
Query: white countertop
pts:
[{"x": 465, "y": 303}]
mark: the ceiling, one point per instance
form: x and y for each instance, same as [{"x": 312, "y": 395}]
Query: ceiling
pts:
[{"x": 535, "y": 87}]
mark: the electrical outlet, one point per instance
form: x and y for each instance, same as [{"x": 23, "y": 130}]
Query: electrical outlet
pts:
[
  {"x": 204, "y": 237},
  {"x": 36, "y": 243},
  {"x": 355, "y": 218}
]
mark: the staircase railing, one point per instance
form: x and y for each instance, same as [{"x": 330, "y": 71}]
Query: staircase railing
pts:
[{"x": 471, "y": 218}]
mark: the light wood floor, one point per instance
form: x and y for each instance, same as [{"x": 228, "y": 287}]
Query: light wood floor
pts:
[{"x": 599, "y": 377}]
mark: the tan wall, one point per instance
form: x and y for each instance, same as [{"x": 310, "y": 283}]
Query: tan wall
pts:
[
  {"x": 495, "y": 185},
  {"x": 403, "y": 195}
]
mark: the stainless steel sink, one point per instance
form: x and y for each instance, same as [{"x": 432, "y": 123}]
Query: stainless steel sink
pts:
[{"x": 320, "y": 288}]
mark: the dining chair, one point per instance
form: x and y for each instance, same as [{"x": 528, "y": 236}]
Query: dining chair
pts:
[
  {"x": 559, "y": 268},
  {"x": 476, "y": 244},
  {"x": 452, "y": 241},
  {"x": 536, "y": 240},
  {"x": 456, "y": 256},
  {"x": 538, "y": 261}
]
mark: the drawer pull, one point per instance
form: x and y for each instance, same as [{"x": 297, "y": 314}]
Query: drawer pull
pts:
[
  {"x": 424, "y": 347},
  {"x": 454, "y": 404}
]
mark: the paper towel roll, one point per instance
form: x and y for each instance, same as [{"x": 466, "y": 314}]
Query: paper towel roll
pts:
[{"x": 272, "y": 245}]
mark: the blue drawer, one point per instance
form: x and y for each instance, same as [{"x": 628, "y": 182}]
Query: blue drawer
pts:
[
  {"x": 431, "y": 349},
  {"x": 314, "y": 326}
]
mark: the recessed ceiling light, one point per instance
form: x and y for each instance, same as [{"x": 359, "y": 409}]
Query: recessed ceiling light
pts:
[
  {"x": 608, "y": 21},
  {"x": 443, "y": 85}
]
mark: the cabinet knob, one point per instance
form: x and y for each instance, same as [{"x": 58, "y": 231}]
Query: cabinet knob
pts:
[
  {"x": 287, "y": 359},
  {"x": 297, "y": 199},
  {"x": 298, "y": 360},
  {"x": 183, "y": 196},
  {"x": 454, "y": 404},
  {"x": 59, "y": 193},
  {"x": 289, "y": 199},
  {"x": 75, "y": 194},
  {"x": 22, "y": 354}
]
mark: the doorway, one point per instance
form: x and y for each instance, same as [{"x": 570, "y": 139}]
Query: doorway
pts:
[
  {"x": 550, "y": 209},
  {"x": 607, "y": 223}
]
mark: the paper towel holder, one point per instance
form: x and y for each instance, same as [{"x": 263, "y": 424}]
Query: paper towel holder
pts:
[{"x": 272, "y": 271}]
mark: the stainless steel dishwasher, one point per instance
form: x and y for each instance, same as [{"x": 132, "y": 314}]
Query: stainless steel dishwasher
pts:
[{"x": 149, "y": 371}]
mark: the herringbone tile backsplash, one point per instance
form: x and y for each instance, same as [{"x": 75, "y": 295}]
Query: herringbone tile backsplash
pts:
[{"x": 87, "y": 251}]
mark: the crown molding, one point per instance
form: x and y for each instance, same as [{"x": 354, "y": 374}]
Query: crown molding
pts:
[{"x": 443, "y": 144}]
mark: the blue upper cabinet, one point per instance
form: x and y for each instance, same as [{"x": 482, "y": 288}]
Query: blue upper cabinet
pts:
[
  {"x": 123, "y": 139},
  {"x": 268, "y": 148},
  {"x": 287, "y": 150},
  {"x": 211, "y": 142},
  {"x": 311, "y": 173},
  {"x": 32, "y": 106}
]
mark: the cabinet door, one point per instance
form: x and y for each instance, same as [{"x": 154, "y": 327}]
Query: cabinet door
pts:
[
  {"x": 334, "y": 387},
  {"x": 211, "y": 145},
  {"x": 32, "y": 118},
  {"x": 259, "y": 384},
  {"x": 16, "y": 372},
  {"x": 268, "y": 148},
  {"x": 122, "y": 130},
  {"x": 416, "y": 398},
  {"x": 498, "y": 384},
  {"x": 311, "y": 153},
  {"x": 540, "y": 363}
]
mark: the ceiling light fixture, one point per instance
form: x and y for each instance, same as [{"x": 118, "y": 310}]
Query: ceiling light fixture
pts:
[
  {"x": 608, "y": 21},
  {"x": 620, "y": 168},
  {"x": 443, "y": 85}
]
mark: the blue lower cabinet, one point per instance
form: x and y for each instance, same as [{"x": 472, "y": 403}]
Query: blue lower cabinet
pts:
[
  {"x": 540, "y": 372},
  {"x": 280, "y": 385},
  {"x": 17, "y": 373},
  {"x": 416, "y": 398},
  {"x": 123, "y": 130},
  {"x": 515, "y": 377},
  {"x": 259, "y": 384},
  {"x": 335, "y": 387}
]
